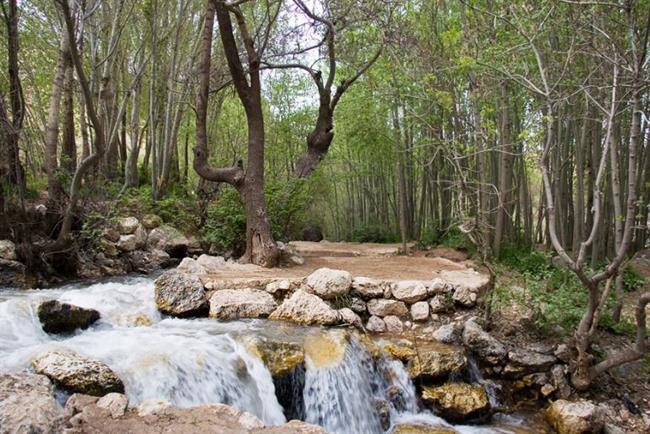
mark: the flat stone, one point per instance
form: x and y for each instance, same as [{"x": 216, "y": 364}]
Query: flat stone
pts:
[
  {"x": 382, "y": 307},
  {"x": 409, "y": 291},
  {"x": 230, "y": 304},
  {"x": 368, "y": 288},
  {"x": 435, "y": 362}
]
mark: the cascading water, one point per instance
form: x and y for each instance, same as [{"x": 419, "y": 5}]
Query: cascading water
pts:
[{"x": 197, "y": 361}]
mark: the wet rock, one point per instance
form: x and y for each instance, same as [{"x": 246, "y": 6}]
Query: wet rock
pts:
[
  {"x": 458, "y": 401},
  {"x": 382, "y": 307},
  {"x": 578, "y": 417},
  {"x": 7, "y": 250},
  {"x": 27, "y": 405},
  {"x": 127, "y": 225},
  {"x": 393, "y": 324},
  {"x": 151, "y": 221},
  {"x": 78, "y": 374},
  {"x": 328, "y": 283},
  {"x": 409, "y": 291},
  {"x": 280, "y": 357},
  {"x": 57, "y": 317},
  {"x": 358, "y": 305},
  {"x": 168, "y": 239},
  {"x": 420, "y": 311},
  {"x": 348, "y": 316},
  {"x": 375, "y": 324},
  {"x": 241, "y": 303},
  {"x": 415, "y": 428},
  {"x": 325, "y": 350},
  {"x": 304, "y": 308},
  {"x": 191, "y": 266},
  {"x": 484, "y": 345},
  {"x": 441, "y": 303},
  {"x": 368, "y": 288},
  {"x": 180, "y": 294},
  {"x": 382, "y": 407},
  {"x": 448, "y": 333},
  {"x": 115, "y": 403},
  {"x": 402, "y": 350},
  {"x": 435, "y": 361}
]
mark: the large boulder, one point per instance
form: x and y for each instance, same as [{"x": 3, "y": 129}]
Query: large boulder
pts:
[
  {"x": 485, "y": 346},
  {"x": 409, "y": 291},
  {"x": 168, "y": 239},
  {"x": 305, "y": 308},
  {"x": 7, "y": 250},
  {"x": 57, "y": 317},
  {"x": 579, "y": 417},
  {"x": 382, "y": 307},
  {"x": 180, "y": 294},
  {"x": 434, "y": 362},
  {"x": 328, "y": 283},
  {"x": 458, "y": 401},
  {"x": 78, "y": 374},
  {"x": 127, "y": 225},
  {"x": 241, "y": 303},
  {"x": 27, "y": 405}
]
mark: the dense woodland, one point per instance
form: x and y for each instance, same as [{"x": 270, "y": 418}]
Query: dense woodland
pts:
[{"x": 486, "y": 123}]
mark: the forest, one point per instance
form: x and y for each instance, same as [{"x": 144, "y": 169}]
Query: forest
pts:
[{"x": 280, "y": 136}]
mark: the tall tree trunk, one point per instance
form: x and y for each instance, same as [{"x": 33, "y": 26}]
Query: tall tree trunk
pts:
[
  {"x": 68, "y": 145},
  {"x": 504, "y": 172}
]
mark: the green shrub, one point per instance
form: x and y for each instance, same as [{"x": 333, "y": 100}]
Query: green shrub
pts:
[
  {"x": 373, "y": 233},
  {"x": 632, "y": 280},
  {"x": 526, "y": 260},
  {"x": 455, "y": 239}
]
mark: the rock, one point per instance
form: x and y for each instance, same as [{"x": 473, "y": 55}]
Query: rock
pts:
[
  {"x": 148, "y": 261},
  {"x": 448, "y": 333},
  {"x": 382, "y": 307},
  {"x": 313, "y": 234},
  {"x": 409, "y": 291},
  {"x": 111, "y": 234},
  {"x": 59, "y": 317},
  {"x": 116, "y": 403},
  {"x": 375, "y": 324},
  {"x": 304, "y": 308},
  {"x": 420, "y": 311},
  {"x": 211, "y": 264},
  {"x": 78, "y": 374},
  {"x": 416, "y": 428},
  {"x": 278, "y": 286},
  {"x": 7, "y": 250},
  {"x": 368, "y": 288},
  {"x": 393, "y": 324},
  {"x": 402, "y": 350},
  {"x": 348, "y": 316},
  {"x": 328, "y": 283},
  {"x": 280, "y": 357},
  {"x": 241, "y": 303},
  {"x": 526, "y": 361},
  {"x": 12, "y": 273},
  {"x": 77, "y": 402},
  {"x": 140, "y": 237},
  {"x": 109, "y": 249},
  {"x": 435, "y": 362},
  {"x": 325, "y": 350},
  {"x": 127, "y": 243},
  {"x": 289, "y": 256},
  {"x": 438, "y": 287},
  {"x": 468, "y": 285},
  {"x": 564, "y": 353},
  {"x": 458, "y": 401},
  {"x": 152, "y": 407},
  {"x": 191, "y": 266},
  {"x": 358, "y": 305},
  {"x": 27, "y": 405},
  {"x": 485, "y": 346},
  {"x": 560, "y": 382},
  {"x": 179, "y": 294},
  {"x": 576, "y": 417},
  {"x": 127, "y": 225},
  {"x": 151, "y": 221},
  {"x": 168, "y": 239},
  {"x": 440, "y": 303}
]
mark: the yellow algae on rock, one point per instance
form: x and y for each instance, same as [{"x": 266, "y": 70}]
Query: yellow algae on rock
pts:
[{"x": 326, "y": 350}]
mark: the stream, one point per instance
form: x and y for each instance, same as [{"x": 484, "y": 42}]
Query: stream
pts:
[{"x": 189, "y": 362}]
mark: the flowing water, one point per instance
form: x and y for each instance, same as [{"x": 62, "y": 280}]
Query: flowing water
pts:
[{"x": 194, "y": 361}]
